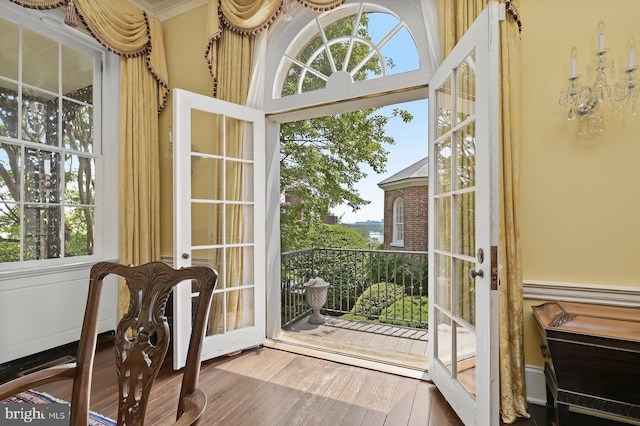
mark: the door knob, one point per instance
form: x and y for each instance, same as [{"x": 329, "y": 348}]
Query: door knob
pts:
[{"x": 473, "y": 273}]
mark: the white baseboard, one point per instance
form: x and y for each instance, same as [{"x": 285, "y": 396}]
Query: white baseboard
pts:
[{"x": 536, "y": 387}]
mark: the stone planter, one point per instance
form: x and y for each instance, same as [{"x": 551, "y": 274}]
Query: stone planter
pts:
[{"x": 316, "y": 292}]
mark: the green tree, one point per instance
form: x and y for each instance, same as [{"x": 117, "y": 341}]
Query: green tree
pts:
[{"x": 322, "y": 159}]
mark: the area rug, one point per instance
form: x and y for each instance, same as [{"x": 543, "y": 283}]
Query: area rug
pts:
[{"x": 33, "y": 397}]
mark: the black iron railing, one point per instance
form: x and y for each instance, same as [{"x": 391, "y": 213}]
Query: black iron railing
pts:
[{"x": 373, "y": 285}]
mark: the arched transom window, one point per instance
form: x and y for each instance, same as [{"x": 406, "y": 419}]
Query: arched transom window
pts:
[
  {"x": 352, "y": 44},
  {"x": 358, "y": 50}
]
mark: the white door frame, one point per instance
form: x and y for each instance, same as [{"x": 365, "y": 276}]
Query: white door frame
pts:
[
  {"x": 253, "y": 333},
  {"x": 483, "y": 408}
]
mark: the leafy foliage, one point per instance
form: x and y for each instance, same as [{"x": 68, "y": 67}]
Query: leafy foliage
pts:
[
  {"x": 321, "y": 159},
  {"x": 374, "y": 300},
  {"x": 410, "y": 311}
]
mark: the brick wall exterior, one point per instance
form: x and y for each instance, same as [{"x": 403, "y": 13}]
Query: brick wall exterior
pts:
[{"x": 416, "y": 204}]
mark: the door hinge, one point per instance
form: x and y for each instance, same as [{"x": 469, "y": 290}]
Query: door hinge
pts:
[{"x": 494, "y": 267}]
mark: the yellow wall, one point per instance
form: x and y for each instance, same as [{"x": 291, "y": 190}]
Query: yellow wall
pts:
[
  {"x": 580, "y": 198},
  {"x": 184, "y": 38}
]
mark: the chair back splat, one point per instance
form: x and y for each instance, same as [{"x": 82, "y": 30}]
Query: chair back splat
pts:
[{"x": 141, "y": 343}]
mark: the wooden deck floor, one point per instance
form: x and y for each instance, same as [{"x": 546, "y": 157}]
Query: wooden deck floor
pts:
[
  {"x": 270, "y": 387},
  {"x": 401, "y": 346}
]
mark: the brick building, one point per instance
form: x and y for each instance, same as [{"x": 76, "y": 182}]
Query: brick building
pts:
[{"x": 406, "y": 196}]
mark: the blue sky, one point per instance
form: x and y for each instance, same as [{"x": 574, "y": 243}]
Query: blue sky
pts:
[{"x": 411, "y": 145}]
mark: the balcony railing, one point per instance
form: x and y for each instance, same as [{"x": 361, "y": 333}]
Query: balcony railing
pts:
[{"x": 372, "y": 285}]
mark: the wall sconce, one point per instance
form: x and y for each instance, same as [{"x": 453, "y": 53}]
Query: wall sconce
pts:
[{"x": 583, "y": 99}]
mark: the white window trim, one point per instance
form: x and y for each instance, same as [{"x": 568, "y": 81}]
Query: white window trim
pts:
[
  {"x": 51, "y": 24},
  {"x": 395, "y": 241}
]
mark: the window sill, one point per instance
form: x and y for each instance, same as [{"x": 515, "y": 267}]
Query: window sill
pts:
[
  {"x": 34, "y": 270},
  {"x": 397, "y": 244}
]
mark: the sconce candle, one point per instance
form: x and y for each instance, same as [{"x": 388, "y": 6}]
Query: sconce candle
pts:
[
  {"x": 631, "y": 53},
  {"x": 601, "y": 36},
  {"x": 573, "y": 62}
]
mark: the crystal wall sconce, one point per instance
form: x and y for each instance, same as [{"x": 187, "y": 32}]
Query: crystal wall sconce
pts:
[{"x": 583, "y": 99}]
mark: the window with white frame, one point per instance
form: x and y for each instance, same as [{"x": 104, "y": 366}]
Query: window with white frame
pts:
[
  {"x": 398, "y": 223},
  {"x": 50, "y": 143}
]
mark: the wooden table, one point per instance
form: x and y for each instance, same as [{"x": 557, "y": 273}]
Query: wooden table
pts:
[{"x": 592, "y": 357}]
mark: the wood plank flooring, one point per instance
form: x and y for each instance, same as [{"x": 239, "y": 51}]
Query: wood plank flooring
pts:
[
  {"x": 390, "y": 344},
  {"x": 270, "y": 387}
]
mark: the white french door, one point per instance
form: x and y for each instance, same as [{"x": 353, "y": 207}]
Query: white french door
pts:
[
  {"x": 463, "y": 234},
  {"x": 219, "y": 208}
]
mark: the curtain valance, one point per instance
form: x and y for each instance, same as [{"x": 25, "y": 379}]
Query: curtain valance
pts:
[
  {"x": 248, "y": 18},
  {"x": 122, "y": 28}
]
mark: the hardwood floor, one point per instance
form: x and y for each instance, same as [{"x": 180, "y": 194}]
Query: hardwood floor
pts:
[{"x": 272, "y": 387}]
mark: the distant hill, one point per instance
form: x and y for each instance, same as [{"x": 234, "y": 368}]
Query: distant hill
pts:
[{"x": 370, "y": 226}]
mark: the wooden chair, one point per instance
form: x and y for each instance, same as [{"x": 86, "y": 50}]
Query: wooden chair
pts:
[{"x": 141, "y": 342}]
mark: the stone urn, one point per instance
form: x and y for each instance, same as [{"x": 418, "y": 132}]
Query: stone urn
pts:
[{"x": 316, "y": 292}]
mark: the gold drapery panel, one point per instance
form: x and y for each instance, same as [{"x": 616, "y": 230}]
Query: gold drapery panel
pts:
[
  {"x": 512, "y": 383},
  {"x": 455, "y": 18},
  {"x": 139, "y": 168},
  {"x": 235, "y": 54},
  {"x": 130, "y": 33}
]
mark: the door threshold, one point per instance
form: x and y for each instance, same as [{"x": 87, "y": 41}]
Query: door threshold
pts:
[{"x": 394, "y": 364}]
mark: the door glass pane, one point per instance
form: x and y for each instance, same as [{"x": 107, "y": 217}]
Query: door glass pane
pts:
[
  {"x": 465, "y": 242},
  {"x": 239, "y": 267},
  {"x": 206, "y": 133},
  {"x": 206, "y": 225},
  {"x": 443, "y": 109},
  {"x": 466, "y": 157},
  {"x": 239, "y": 224},
  {"x": 443, "y": 222},
  {"x": 238, "y": 130},
  {"x": 466, "y": 88},
  {"x": 466, "y": 358},
  {"x": 443, "y": 166},
  {"x": 443, "y": 266},
  {"x": 206, "y": 178},
  {"x": 443, "y": 339},
  {"x": 465, "y": 291},
  {"x": 239, "y": 181}
]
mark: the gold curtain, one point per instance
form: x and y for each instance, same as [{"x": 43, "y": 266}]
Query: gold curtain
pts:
[
  {"x": 455, "y": 18},
  {"x": 235, "y": 54},
  {"x": 512, "y": 383},
  {"x": 129, "y": 32}
]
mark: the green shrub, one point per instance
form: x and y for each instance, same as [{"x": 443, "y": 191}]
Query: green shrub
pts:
[
  {"x": 406, "y": 312},
  {"x": 377, "y": 298}
]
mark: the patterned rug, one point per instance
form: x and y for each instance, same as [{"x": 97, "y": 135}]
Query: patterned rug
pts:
[{"x": 33, "y": 397}]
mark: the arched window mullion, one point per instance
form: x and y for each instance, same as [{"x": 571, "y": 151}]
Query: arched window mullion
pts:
[
  {"x": 378, "y": 49},
  {"x": 354, "y": 36},
  {"x": 325, "y": 44},
  {"x": 374, "y": 51}
]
